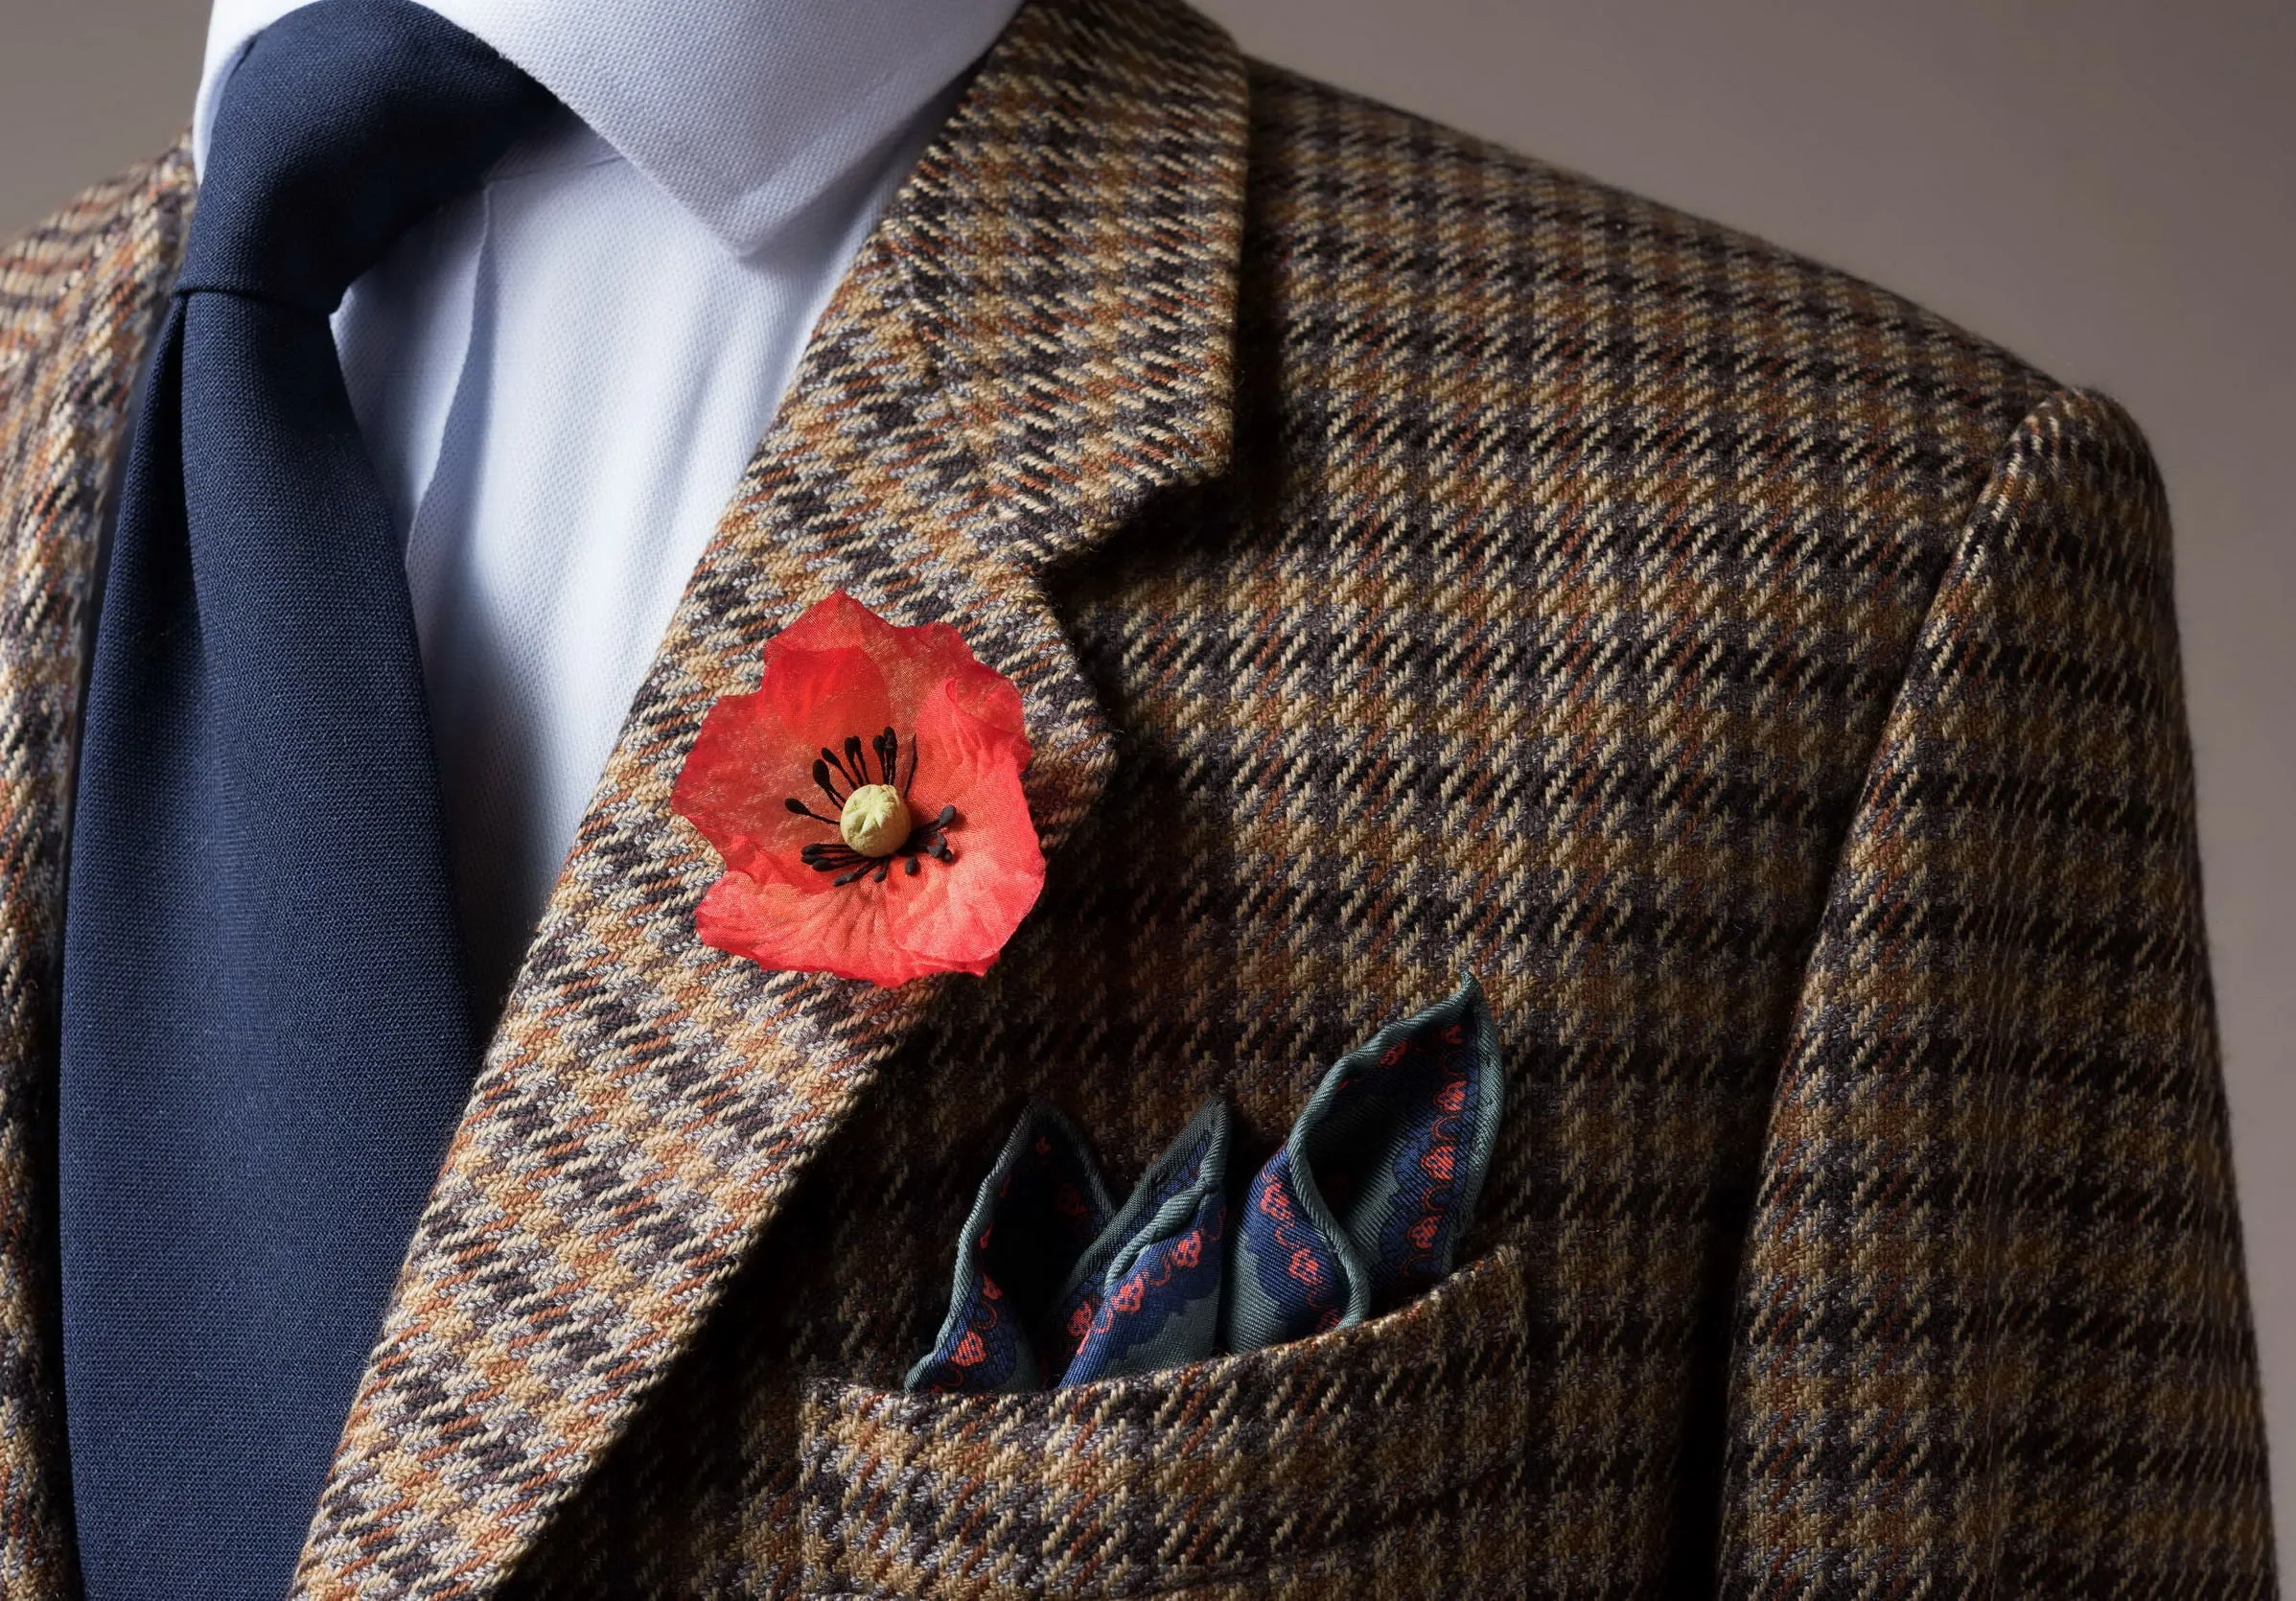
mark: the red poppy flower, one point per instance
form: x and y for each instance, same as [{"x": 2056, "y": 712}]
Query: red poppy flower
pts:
[{"x": 867, "y": 802}]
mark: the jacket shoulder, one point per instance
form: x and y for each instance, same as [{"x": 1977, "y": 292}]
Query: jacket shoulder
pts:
[{"x": 1392, "y": 255}]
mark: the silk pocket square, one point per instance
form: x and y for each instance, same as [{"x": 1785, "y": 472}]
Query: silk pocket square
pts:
[
  {"x": 1146, "y": 1295},
  {"x": 1364, "y": 1206},
  {"x": 1361, "y": 1209},
  {"x": 1052, "y": 1287},
  {"x": 1039, "y": 1210}
]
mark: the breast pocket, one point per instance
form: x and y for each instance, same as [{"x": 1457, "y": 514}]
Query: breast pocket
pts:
[{"x": 1382, "y": 1460}]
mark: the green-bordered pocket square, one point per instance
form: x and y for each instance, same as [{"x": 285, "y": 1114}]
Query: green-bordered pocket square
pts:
[{"x": 1361, "y": 1210}]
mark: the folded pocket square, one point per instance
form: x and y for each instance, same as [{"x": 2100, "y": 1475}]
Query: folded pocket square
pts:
[
  {"x": 1054, "y": 1288},
  {"x": 1364, "y": 1206},
  {"x": 1037, "y": 1211},
  {"x": 1361, "y": 1209},
  {"x": 1146, "y": 1295}
]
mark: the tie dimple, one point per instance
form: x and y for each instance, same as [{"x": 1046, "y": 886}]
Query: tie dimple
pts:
[
  {"x": 333, "y": 137},
  {"x": 265, "y": 1037}
]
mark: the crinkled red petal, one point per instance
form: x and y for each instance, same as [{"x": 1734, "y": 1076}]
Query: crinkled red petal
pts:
[
  {"x": 756, "y": 752},
  {"x": 963, "y": 911}
]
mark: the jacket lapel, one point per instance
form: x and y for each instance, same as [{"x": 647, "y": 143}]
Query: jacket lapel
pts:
[
  {"x": 79, "y": 300},
  {"x": 1037, "y": 339}
]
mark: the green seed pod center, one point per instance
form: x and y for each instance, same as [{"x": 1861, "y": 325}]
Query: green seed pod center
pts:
[{"x": 875, "y": 820}]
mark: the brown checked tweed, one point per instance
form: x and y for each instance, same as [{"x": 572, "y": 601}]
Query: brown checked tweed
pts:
[
  {"x": 1281, "y": 1472},
  {"x": 1415, "y": 560}
]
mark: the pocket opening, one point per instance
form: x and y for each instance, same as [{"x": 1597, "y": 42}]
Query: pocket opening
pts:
[{"x": 1395, "y": 1444}]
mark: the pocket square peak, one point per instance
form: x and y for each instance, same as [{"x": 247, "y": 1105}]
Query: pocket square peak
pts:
[
  {"x": 1147, "y": 1294},
  {"x": 1052, "y": 1287},
  {"x": 1042, "y": 1205},
  {"x": 1365, "y": 1204}
]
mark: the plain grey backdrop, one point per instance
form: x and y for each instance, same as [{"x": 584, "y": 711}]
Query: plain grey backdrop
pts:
[{"x": 2107, "y": 187}]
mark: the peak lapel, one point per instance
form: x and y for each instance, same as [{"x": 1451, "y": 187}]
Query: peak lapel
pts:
[
  {"x": 80, "y": 297},
  {"x": 1036, "y": 337}
]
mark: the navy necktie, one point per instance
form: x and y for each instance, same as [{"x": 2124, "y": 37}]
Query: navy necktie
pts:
[{"x": 266, "y": 1040}]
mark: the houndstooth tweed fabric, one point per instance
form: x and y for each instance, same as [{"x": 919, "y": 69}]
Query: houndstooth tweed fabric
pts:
[{"x": 1415, "y": 561}]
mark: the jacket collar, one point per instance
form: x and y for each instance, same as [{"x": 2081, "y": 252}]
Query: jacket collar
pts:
[{"x": 1035, "y": 341}]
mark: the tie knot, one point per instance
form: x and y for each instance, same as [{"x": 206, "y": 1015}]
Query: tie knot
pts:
[{"x": 347, "y": 123}]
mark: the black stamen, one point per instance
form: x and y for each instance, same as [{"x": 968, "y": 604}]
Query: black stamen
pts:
[
  {"x": 820, "y": 777},
  {"x": 828, "y": 855},
  {"x": 850, "y": 768}
]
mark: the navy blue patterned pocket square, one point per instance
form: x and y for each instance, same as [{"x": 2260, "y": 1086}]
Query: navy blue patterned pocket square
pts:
[
  {"x": 1052, "y": 1287},
  {"x": 1146, "y": 1295},
  {"x": 1360, "y": 1210},
  {"x": 1364, "y": 1206},
  {"x": 1039, "y": 1210}
]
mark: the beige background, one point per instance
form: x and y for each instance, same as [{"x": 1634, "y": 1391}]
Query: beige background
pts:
[{"x": 2107, "y": 187}]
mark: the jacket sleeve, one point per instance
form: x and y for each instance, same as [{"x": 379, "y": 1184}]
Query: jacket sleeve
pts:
[{"x": 1992, "y": 1334}]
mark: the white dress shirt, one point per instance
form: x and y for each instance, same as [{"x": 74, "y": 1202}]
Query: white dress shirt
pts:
[{"x": 561, "y": 376}]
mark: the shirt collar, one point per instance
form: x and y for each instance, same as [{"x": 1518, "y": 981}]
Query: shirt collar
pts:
[{"x": 745, "y": 111}]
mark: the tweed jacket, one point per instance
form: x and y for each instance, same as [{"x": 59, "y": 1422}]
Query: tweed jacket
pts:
[{"x": 1415, "y": 561}]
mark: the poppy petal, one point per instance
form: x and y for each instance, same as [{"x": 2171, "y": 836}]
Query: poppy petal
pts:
[
  {"x": 839, "y": 622},
  {"x": 756, "y": 753},
  {"x": 780, "y": 926},
  {"x": 914, "y": 661},
  {"x": 963, "y": 912}
]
